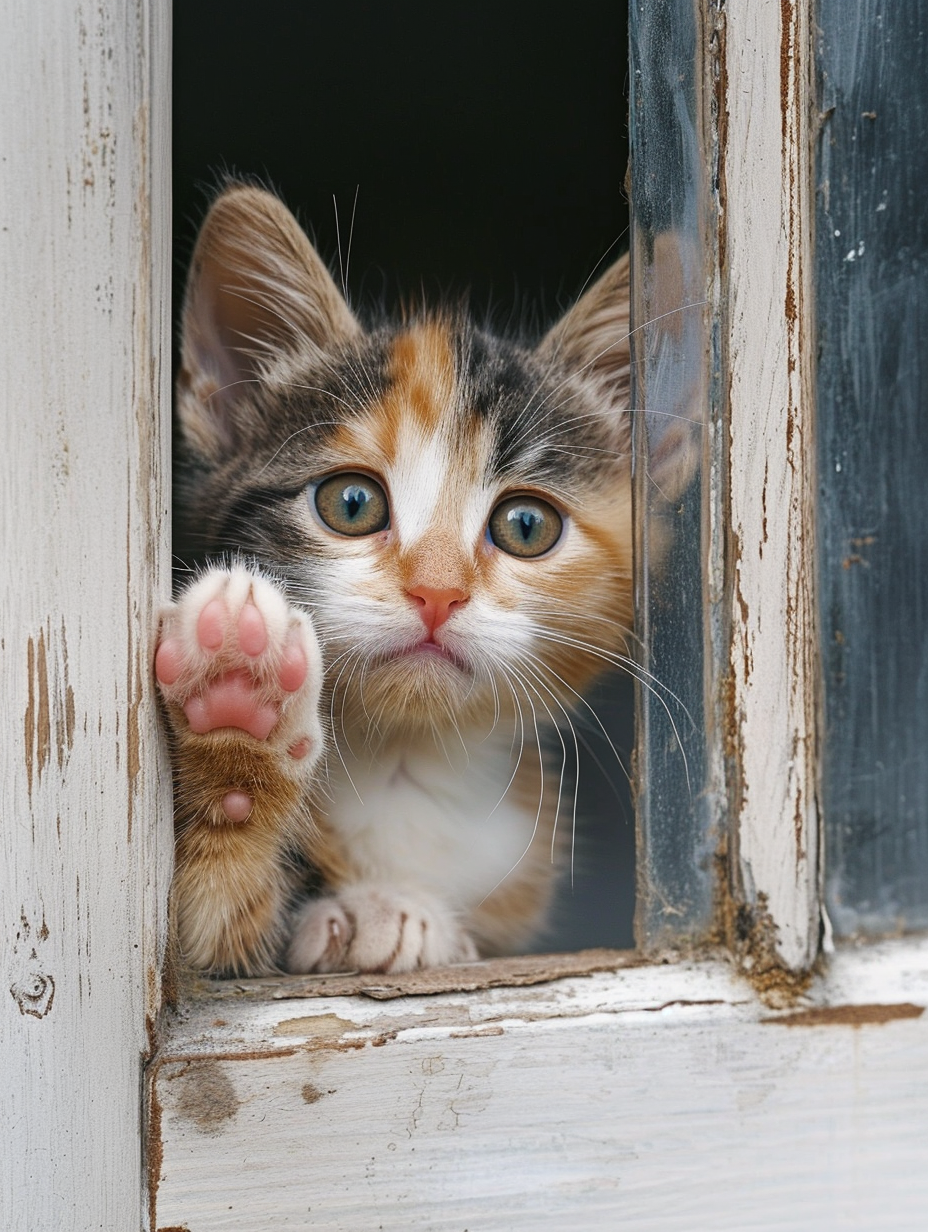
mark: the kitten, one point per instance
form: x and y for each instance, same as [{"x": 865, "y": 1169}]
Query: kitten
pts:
[{"x": 415, "y": 554}]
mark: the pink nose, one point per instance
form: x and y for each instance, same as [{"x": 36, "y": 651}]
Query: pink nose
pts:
[{"x": 435, "y": 604}]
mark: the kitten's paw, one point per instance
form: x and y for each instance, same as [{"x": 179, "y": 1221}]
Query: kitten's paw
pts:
[
  {"x": 373, "y": 928},
  {"x": 234, "y": 654}
]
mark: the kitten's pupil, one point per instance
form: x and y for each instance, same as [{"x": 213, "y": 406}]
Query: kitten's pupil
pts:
[
  {"x": 355, "y": 499},
  {"x": 527, "y": 520}
]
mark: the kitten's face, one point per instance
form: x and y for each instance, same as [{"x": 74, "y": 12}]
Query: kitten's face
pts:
[{"x": 454, "y": 510}]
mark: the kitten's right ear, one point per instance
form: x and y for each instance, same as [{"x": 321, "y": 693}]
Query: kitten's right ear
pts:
[
  {"x": 592, "y": 338},
  {"x": 257, "y": 291}
]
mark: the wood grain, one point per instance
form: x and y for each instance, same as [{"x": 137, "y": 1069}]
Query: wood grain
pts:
[
  {"x": 769, "y": 723},
  {"x": 652, "y": 1098},
  {"x": 84, "y": 371}
]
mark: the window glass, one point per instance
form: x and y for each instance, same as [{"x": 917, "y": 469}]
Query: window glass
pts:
[
  {"x": 675, "y": 813},
  {"x": 872, "y": 310}
]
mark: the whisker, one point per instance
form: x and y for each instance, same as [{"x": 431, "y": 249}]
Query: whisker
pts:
[
  {"x": 560, "y": 785},
  {"x": 531, "y": 840},
  {"x": 338, "y": 242},
  {"x": 646, "y": 678},
  {"x": 354, "y": 208}
]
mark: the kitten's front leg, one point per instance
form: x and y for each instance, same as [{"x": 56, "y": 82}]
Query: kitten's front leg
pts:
[
  {"x": 240, "y": 672},
  {"x": 372, "y": 927}
]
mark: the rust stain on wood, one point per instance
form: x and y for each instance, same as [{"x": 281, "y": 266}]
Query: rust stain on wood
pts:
[
  {"x": 848, "y": 1015},
  {"x": 749, "y": 932},
  {"x": 786, "y": 31},
  {"x": 311, "y": 1094},
  {"x": 43, "y": 727},
  {"x": 154, "y": 1149},
  {"x": 134, "y": 689},
  {"x": 207, "y": 1095},
  {"x": 50, "y": 703}
]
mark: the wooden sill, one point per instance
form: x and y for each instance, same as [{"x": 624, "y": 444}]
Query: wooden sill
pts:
[{"x": 589, "y": 1091}]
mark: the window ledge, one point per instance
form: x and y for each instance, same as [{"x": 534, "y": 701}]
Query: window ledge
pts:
[{"x": 587, "y": 1095}]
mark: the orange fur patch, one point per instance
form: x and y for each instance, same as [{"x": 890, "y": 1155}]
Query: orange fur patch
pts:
[
  {"x": 423, "y": 376},
  {"x": 437, "y": 560}
]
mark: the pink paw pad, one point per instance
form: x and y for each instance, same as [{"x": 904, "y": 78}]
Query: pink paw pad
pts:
[
  {"x": 233, "y": 657},
  {"x": 252, "y": 631},
  {"x": 293, "y": 667},
  {"x": 211, "y": 625},
  {"x": 230, "y": 702},
  {"x": 169, "y": 661},
  {"x": 237, "y": 805}
]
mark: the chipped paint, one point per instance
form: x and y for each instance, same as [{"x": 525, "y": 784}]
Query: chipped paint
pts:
[
  {"x": 73, "y": 265},
  {"x": 849, "y": 1015},
  {"x": 320, "y": 1028},
  {"x": 666, "y": 1062},
  {"x": 767, "y": 691},
  {"x": 207, "y": 1095},
  {"x": 49, "y": 717}
]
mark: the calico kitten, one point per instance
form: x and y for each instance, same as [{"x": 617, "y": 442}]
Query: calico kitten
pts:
[{"x": 415, "y": 552}]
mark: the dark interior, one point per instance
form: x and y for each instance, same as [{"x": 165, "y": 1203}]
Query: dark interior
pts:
[{"x": 481, "y": 149}]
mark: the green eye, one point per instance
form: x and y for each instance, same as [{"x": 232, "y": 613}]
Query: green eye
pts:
[
  {"x": 352, "y": 504},
  {"x": 525, "y": 526}
]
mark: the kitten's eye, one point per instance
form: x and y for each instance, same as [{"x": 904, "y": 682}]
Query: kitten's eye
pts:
[
  {"x": 525, "y": 526},
  {"x": 352, "y": 504}
]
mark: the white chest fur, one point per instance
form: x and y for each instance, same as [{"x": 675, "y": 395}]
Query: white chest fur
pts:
[{"x": 418, "y": 815}]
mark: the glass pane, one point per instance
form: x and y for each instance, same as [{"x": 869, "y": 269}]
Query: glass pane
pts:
[
  {"x": 495, "y": 166},
  {"x": 675, "y": 851},
  {"x": 872, "y": 275}
]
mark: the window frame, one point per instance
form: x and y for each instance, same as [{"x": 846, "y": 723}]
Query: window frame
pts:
[{"x": 86, "y": 876}]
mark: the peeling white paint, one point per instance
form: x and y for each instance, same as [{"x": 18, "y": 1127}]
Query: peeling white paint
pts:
[
  {"x": 768, "y": 218},
  {"x": 84, "y": 370},
  {"x": 655, "y": 1098}
]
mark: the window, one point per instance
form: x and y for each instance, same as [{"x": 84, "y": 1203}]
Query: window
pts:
[
  {"x": 562, "y": 1103},
  {"x": 504, "y": 185}
]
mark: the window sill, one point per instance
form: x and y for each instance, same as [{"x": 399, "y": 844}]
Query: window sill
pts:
[{"x": 560, "y": 1103}]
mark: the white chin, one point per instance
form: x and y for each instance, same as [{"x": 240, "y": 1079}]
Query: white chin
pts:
[
  {"x": 427, "y": 664},
  {"x": 414, "y": 681}
]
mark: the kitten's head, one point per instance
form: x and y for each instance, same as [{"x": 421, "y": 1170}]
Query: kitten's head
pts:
[{"x": 454, "y": 509}]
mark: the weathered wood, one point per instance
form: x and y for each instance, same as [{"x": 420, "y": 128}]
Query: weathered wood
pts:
[
  {"x": 721, "y": 181},
  {"x": 84, "y": 366},
  {"x": 662, "y": 1097},
  {"x": 765, "y": 490}
]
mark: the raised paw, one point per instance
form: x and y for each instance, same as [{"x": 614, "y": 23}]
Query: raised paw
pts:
[
  {"x": 373, "y": 928},
  {"x": 234, "y": 655}
]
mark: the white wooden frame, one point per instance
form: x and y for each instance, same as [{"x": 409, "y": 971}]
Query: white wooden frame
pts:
[
  {"x": 85, "y": 372},
  {"x": 650, "y": 1096},
  {"x": 764, "y": 498}
]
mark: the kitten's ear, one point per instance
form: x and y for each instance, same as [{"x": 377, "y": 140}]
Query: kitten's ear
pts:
[
  {"x": 591, "y": 339},
  {"x": 257, "y": 290}
]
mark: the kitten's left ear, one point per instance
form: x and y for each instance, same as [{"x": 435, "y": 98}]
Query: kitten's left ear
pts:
[
  {"x": 592, "y": 339},
  {"x": 257, "y": 292}
]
